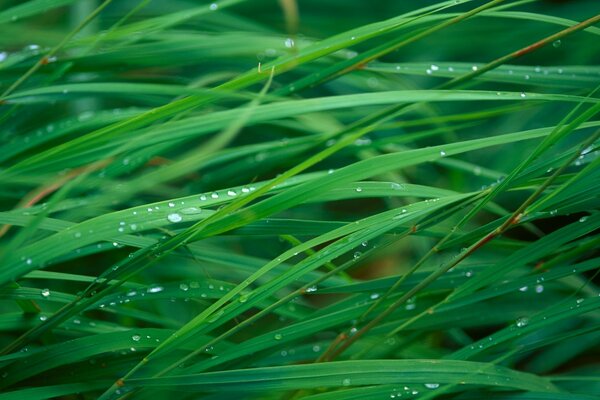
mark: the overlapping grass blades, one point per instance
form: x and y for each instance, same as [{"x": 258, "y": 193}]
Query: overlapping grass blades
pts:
[{"x": 207, "y": 201}]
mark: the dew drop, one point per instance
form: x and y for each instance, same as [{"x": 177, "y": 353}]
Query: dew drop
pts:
[
  {"x": 357, "y": 255},
  {"x": 289, "y": 43},
  {"x": 214, "y": 195},
  {"x": 523, "y": 289},
  {"x": 522, "y": 322},
  {"x": 277, "y": 336},
  {"x": 231, "y": 193},
  {"x": 358, "y": 189},
  {"x": 213, "y": 6},
  {"x": 45, "y": 292},
  {"x": 432, "y": 385},
  {"x": 434, "y": 67},
  {"x": 136, "y": 338},
  {"x": 174, "y": 217},
  {"x": 190, "y": 210},
  {"x": 155, "y": 289},
  {"x": 523, "y": 95},
  {"x": 556, "y": 44},
  {"x": 184, "y": 287},
  {"x": 539, "y": 288},
  {"x": 346, "y": 382},
  {"x": 442, "y": 153}
]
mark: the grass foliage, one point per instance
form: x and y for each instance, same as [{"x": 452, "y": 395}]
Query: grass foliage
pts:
[{"x": 299, "y": 199}]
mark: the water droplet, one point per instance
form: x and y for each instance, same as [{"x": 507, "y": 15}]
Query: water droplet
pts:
[
  {"x": 428, "y": 71},
  {"x": 316, "y": 348},
  {"x": 523, "y": 289},
  {"x": 556, "y": 44},
  {"x": 346, "y": 382},
  {"x": 523, "y": 95},
  {"x": 45, "y": 292},
  {"x": 214, "y": 195},
  {"x": 213, "y": 6},
  {"x": 277, "y": 336},
  {"x": 522, "y": 322},
  {"x": 171, "y": 205},
  {"x": 136, "y": 338},
  {"x": 357, "y": 255},
  {"x": 311, "y": 289},
  {"x": 43, "y": 318},
  {"x": 243, "y": 298},
  {"x": 580, "y": 300},
  {"x": 29, "y": 261},
  {"x": 155, "y": 289},
  {"x": 231, "y": 193},
  {"x": 358, "y": 189},
  {"x": 582, "y": 219},
  {"x": 432, "y": 385},
  {"x": 289, "y": 43},
  {"x": 442, "y": 153},
  {"x": 434, "y": 67},
  {"x": 184, "y": 287},
  {"x": 374, "y": 296},
  {"x": 174, "y": 217},
  {"x": 474, "y": 68},
  {"x": 526, "y": 77},
  {"x": 539, "y": 288},
  {"x": 190, "y": 210}
]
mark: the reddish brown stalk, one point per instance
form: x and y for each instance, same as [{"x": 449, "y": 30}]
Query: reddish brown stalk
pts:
[
  {"x": 521, "y": 52},
  {"x": 36, "y": 195}
]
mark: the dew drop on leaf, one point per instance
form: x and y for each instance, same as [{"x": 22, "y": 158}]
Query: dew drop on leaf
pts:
[
  {"x": 174, "y": 217},
  {"x": 522, "y": 322}
]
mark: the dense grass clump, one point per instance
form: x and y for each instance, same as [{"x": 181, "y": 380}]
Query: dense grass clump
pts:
[{"x": 299, "y": 199}]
